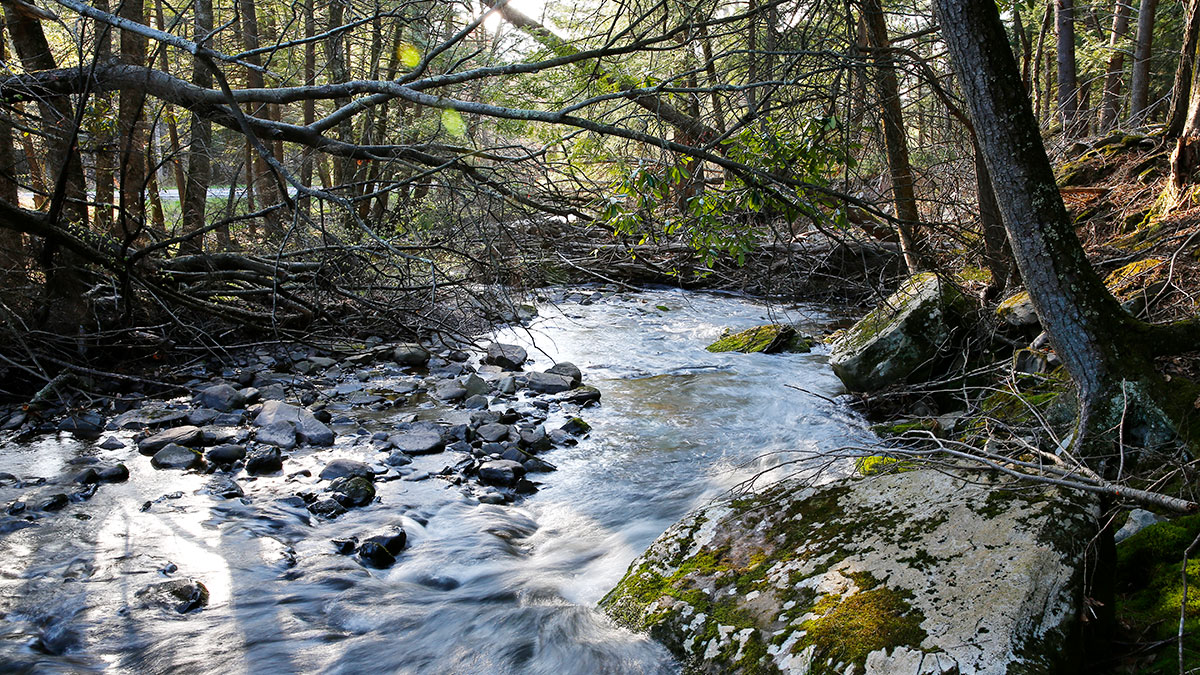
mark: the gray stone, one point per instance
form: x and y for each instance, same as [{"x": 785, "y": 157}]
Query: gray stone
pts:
[
  {"x": 118, "y": 473},
  {"x": 911, "y": 331},
  {"x": 214, "y": 435},
  {"x": 538, "y": 465},
  {"x": 1017, "y": 311},
  {"x": 279, "y": 434},
  {"x": 476, "y": 402},
  {"x": 507, "y": 385},
  {"x": 308, "y": 428},
  {"x": 501, "y": 472},
  {"x": 175, "y": 457},
  {"x": 220, "y": 397},
  {"x": 226, "y": 454},
  {"x": 548, "y": 383},
  {"x": 492, "y": 433},
  {"x": 343, "y": 468},
  {"x": 264, "y": 461},
  {"x": 224, "y": 487},
  {"x": 508, "y": 357},
  {"x": 326, "y": 508},
  {"x": 476, "y": 385},
  {"x": 418, "y": 442},
  {"x": 1139, "y": 519},
  {"x": 398, "y": 459},
  {"x": 581, "y": 396},
  {"x": 202, "y": 416},
  {"x": 185, "y": 435},
  {"x": 965, "y": 578},
  {"x": 352, "y": 491},
  {"x": 87, "y": 423},
  {"x": 567, "y": 369},
  {"x": 450, "y": 390},
  {"x": 180, "y": 595},
  {"x": 149, "y": 417},
  {"x": 111, "y": 443},
  {"x": 410, "y": 354}
]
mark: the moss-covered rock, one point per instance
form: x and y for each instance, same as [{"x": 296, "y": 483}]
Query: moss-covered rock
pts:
[
  {"x": 769, "y": 339},
  {"x": 906, "y": 335},
  {"x": 901, "y": 572}
]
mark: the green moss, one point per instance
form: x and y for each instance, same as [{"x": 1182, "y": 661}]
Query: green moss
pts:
[
  {"x": 852, "y": 627},
  {"x": 971, "y": 273},
  {"x": 1150, "y": 592},
  {"x": 874, "y": 465},
  {"x": 893, "y": 429},
  {"x": 767, "y": 339}
]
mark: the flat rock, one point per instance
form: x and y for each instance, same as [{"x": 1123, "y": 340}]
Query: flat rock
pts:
[
  {"x": 492, "y": 433},
  {"x": 501, "y": 472},
  {"x": 450, "y": 390},
  {"x": 567, "y": 369},
  {"x": 343, "y": 468},
  {"x": 279, "y": 434},
  {"x": 308, "y": 428},
  {"x": 912, "y": 572},
  {"x": 581, "y": 396},
  {"x": 149, "y": 417},
  {"x": 185, "y": 435},
  {"x": 418, "y": 442},
  {"x": 219, "y": 397},
  {"x": 175, "y": 457},
  {"x": 508, "y": 357},
  {"x": 548, "y": 383}
]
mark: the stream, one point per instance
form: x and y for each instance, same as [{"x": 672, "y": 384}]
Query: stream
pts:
[{"x": 481, "y": 588}]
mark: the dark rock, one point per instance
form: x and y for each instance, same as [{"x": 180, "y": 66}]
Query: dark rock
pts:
[
  {"x": 220, "y": 397},
  {"x": 501, "y": 472},
  {"x": 491, "y": 433},
  {"x": 327, "y": 508},
  {"x": 150, "y": 417},
  {"x": 15, "y": 508},
  {"x": 548, "y": 383},
  {"x": 508, "y": 357},
  {"x": 202, "y": 416},
  {"x": 567, "y": 369},
  {"x": 227, "y": 419},
  {"x": 214, "y": 435},
  {"x": 345, "y": 546},
  {"x": 409, "y": 354},
  {"x": 175, "y": 456},
  {"x": 507, "y": 385},
  {"x": 476, "y": 402},
  {"x": 87, "y": 476},
  {"x": 510, "y": 416},
  {"x": 483, "y": 417},
  {"x": 85, "y": 493},
  {"x": 54, "y": 502},
  {"x": 263, "y": 461},
  {"x": 398, "y": 459},
  {"x": 351, "y": 492},
  {"x": 576, "y": 426},
  {"x": 82, "y": 423},
  {"x": 476, "y": 386},
  {"x": 180, "y": 595},
  {"x": 346, "y": 468},
  {"x": 560, "y": 437},
  {"x": 535, "y": 439},
  {"x": 111, "y": 443},
  {"x": 459, "y": 446},
  {"x": 581, "y": 396},
  {"x": 536, "y": 465},
  {"x": 373, "y": 554},
  {"x": 114, "y": 474},
  {"x": 185, "y": 435},
  {"x": 226, "y": 454},
  {"x": 308, "y": 428},
  {"x": 418, "y": 442},
  {"x": 770, "y": 339},
  {"x": 450, "y": 390},
  {"x": 279, "y": 434},
  {"x": 225, "y": 487}
]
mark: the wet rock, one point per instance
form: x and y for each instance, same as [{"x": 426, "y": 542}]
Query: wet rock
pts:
[
  {"x": 373, "y": 554},
  {"x": 214, "y": 435},
  {"x": 224, "y": 487},
  {"x": 476, "y": 402},
  {"x": 398, "y": 459},
  {"x": 227, "y": 453},
  {"x": 508, "y": 357},
  {"x": 149, "y": 417},
  {"x": 87, "y": 476},
  {"x": 352, "y": 492},
  {"x": 185, "y": 435},
  {"x": 567, "y": 369},
  {"x": 476, "y": 385},
  {"x": 501, "y": 472},
  {"x": 308, "y": 428},
  {"x": 346, "y": 468},
  {"x": 345, "y": 546},
  {"x": 492, "y": 433},
  {"x": 537, "y": 465},
  {"x": 560, "y": 437},
  {"x": 264, "y": 461},
  {"x": 418, "y": 442},
  {"x": 507, "y": 385},
  {"x": 10, "y": 525},
  {"x": 114, "y": 474},
  {"x": 515, "y": 454},
  {"x": 54, "y": 502},
  {"x": 227, "y": 419},
  {"x": 535, "y": 439},
  {"x": 111, "y": 443},
  {"x": 220, "y": 397},
  {"x": 581, "y": 396},
  {"x": 15, "y": 508},
  {"x": 279, "y": 434},
  {"x": 326, "y": 508},
  {"x": 450, "y": 390},
  {"x": 202, "y": 416},
  {"x": 548, "y": 383},
  {"x": 896, "y": 573},
  {"x": 85, "y": 493},
  {"x": 180, "y": 595},
  {"x": 175, "y": 456},
  {"x": 86, "y": 423},
  {"x": 576, "y": 427},
  {"x": 410, "y": 354},
  {"x": 483, "y": 417},
  {"x": 769, "y": 339}
]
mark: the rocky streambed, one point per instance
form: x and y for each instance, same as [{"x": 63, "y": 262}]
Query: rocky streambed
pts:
[{"x": 382, "y": 506}]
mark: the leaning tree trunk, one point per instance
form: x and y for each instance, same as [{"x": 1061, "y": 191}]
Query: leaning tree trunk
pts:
[
  {"x": 131, "y": 125},
  {"x": 1181, "y": 90},
  {"x": 1139, "y": 83},
  {"x": 195, "y": 193},
  {"x": 1114, "y": 76},
  {"x": 1096, "y": 340},
  {"x": 1185, "y": 159},
  {"x": 1068, "y": 83},
  {"x": 894, "y": 135}
]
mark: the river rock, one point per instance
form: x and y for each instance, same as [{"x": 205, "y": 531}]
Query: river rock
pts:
[
  {"x": 227, "y": 453},
  {"x": 264, "y": 461},
  {"x": 326, "y": 508},
  {"x": 352, "y": 491},
  {"x": 508, "y": 357},
  {"x": 180, "y": 595},
  {"x": 111, "y": 443},
  {"x": 548, "y": 383},
  {"x": 279, "y": 434},
  {"x": 476, "y": 402},
  {"x": 538, "y": 465},
  {"x": 567, "y": 369},
  {"x": 883, "y": 574},
  {"x": 54, "y": 502},
  {"x": 224, "y": 487},
  {"x": 343, "y": 468},
  {"x": 185, "y": 435},
  {"x": 118, "y": 473},
  {"x": 398, "y": 459},
  {"x": 576, "y": 426},
  {"x": 492, "y": 433},
  {"x": 770, "y": 339},
  {"x": 373, "y": 554},
  {"x": 308, "y": 428},
  {"x": 903, "y": 337},
  {"x": 219, "y": 397},
  {"x": 418, "y": 442},
  {"x": 410, "y": 354},
  {"x": 149, "y": 417},
  {"x": 501, "y": 472},
  {"x": 1017, "y": 311},
  {"x": 450, "y": 390},
  {"x": 581, "y": 396},
  {"x": 175, "y": 457},
  {"x": 83, "y": 423}
]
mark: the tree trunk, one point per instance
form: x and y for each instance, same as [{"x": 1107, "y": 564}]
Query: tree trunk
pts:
[
  {"x": 172, "y": 127},
  {"x": 1185, "y": 159},
  {"x": 339, "y": 71},
  {"x": 104, "y": 144},
  {"x": 12, "y": 244},
  {"x": 310, "y": 106},
  {"x": 1181, "y": 90},
  {"x": 1115, "y": 72},
  {"x": 1068, "y": 84},
  {"x": 1090, "y": 332},
  {"x": 195, "y": 193},
  {"x": 266, "y": 186},
  {"x": 894, "y": 135},
  {"x": 1139, "y": 84},
  {"x": 131, "y": 126},
  {"x": 1039, "y": 94},
  {"x": 997, "y": 254}
]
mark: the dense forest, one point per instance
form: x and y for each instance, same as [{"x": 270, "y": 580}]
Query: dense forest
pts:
[{"x": 179, "y": 180}]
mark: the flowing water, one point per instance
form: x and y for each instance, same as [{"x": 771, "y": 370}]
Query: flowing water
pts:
[{"x": 481, "y": 588}]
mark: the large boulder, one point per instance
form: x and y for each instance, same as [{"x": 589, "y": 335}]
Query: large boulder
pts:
[
  {"x": 308, "y": 428},
  {"x": 508, "y": 357},
  {"x": 911, "y": 572},
  {"x": 910, "y": 332}
]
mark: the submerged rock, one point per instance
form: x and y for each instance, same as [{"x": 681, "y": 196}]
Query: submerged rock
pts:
[
  {"x": 908, "y": 333},
  {"x": 352, "y": 491},
  {"x": 180, "y": 595},
  {"x": 770, "y": 339},
  {"x": 920, "y": 571}
]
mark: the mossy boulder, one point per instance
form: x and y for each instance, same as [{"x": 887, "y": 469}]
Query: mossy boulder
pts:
[
  {"x": 914, "y": 571},
  {"x": 769, "y": 339},
  {"x": 909, "y": 334}
]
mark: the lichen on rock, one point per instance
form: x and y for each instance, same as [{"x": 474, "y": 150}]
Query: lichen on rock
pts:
[
  {"x": 768, "y": 339},
  {"x": 918, "y": 571}
]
